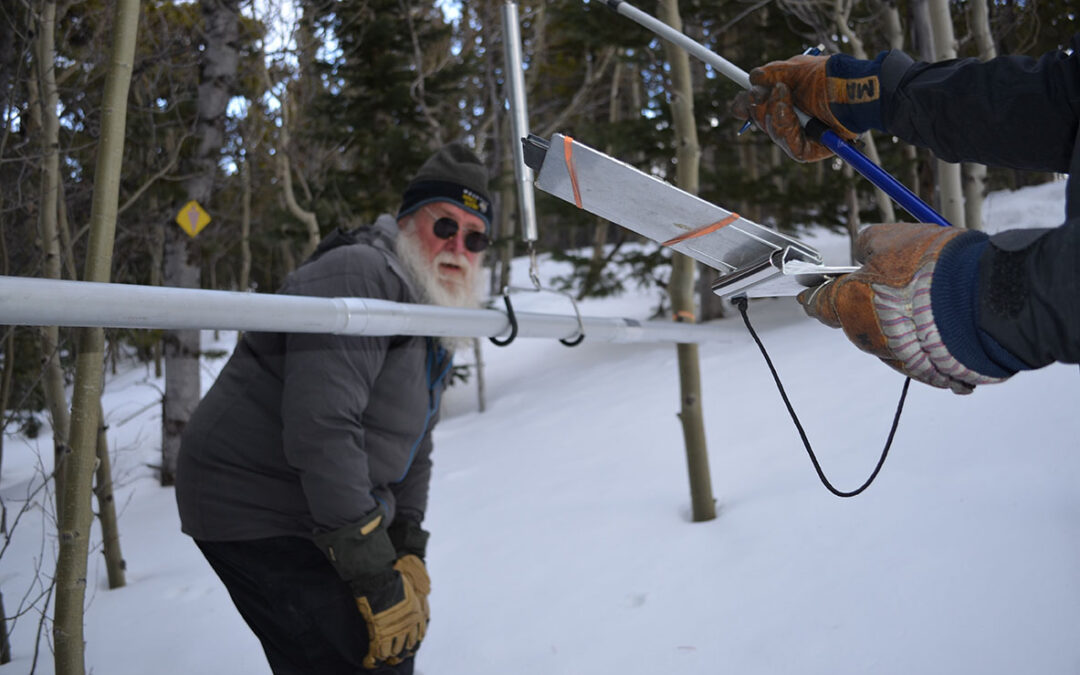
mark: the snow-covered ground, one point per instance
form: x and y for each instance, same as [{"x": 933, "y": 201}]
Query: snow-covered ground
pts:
[{"x": 561, "y": 535}]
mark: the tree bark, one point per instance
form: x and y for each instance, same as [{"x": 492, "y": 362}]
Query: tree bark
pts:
[
  {"x": 288, "y": 260},
  {"x": 841, "y": 13},
  {"x": 681, "y": 288},
  {"x": 103, "y": 490},
  {"x": 63, "y": 227},
  {"x": 974, "y": 175},
  {"x": 157, "y": 252},
  {"x": 851, "y": 200},
  {"x": 53, "y": 376},
  {"x": 507, "y": 222},
  {"x": 478, "y": 357},
  {"x": 950, "y": 186},
  {"x": 894, "y": 35},
  {"x": 6, "y": 377},
  {"x": 218, "y": 72},
  {"x": 181, "y": 352},
  {"x": 5, "y": 644},
  {"x": 245, "y": 223},
  {"x": 76, "y": 516},
  {"x": 284, "y": 172},
  {"x": 893, "y": 28},
  {"x": 922, "y": 37}
]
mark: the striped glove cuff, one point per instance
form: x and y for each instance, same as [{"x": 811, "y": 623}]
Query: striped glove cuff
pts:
[{"x": 907, "y": 321}]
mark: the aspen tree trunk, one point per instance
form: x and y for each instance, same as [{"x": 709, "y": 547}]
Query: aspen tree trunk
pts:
[
  {"x": 217, "y": 73},
  {"x": 5, "y": 644},
  {"x": 53, "y": 376},
  {"x": 776, "y": 159},
  {"x": 6, "y": 377},
  {"x": 894, "y": 34},
  {"x": 974, "y": 175},
  {"x": 245, "y": 223},
  {"x": 478, "y": 357},
  {"x": 890, "y": 19},
  {"x": 63, "y": 226},
  {"x": 288, "y": 260},
  {"x": 710, "y": 305},
  {"x": 284, "y": 172},
  {"x": 103, "y": 490},
  {"x": 884, "y": 203},
  {"x": 748, "y": 162},
  {"x": 507, "y": 222},
  {"x": 681, "y": 288},
  {"x": 76, "y": 516},
  {"x": 157, "y": 251},
  {"x": 922, "y": 36},
  {"x": 949, "y": 182},
  {"x": 851, "y": 200},
  {"x": 180, "y": 349},
  {"x": 506, "y": 251}
]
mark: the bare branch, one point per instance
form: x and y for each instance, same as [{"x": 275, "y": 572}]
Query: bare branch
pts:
[
  {"x": 284, "y": 170},
  {"x": 173, "y": 159},
  {"x": 416, "y": 90},
  {"x": 593, "y": 75},
  {"x": 742, "y": 15}
]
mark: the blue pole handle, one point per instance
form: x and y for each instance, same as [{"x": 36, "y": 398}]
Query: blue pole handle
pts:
[
  {"x": 920, "y": 210},
  {"x": 815, "y": 129}
]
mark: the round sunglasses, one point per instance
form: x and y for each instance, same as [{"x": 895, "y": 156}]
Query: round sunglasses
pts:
[{"x": 446, "y": 227}]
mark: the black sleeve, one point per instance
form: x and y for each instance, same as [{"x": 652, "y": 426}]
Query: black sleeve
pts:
[
  {"x": 1029, "y": 293},
  {"x": 1011, "y": 111}
]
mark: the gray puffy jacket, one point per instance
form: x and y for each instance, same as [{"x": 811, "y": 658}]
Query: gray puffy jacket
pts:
[{"x": 309, "y": 432}]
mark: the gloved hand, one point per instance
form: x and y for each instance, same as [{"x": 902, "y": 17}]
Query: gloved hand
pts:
[
  {"x": 841, "y": 91},
  {"x": 396, "y": 618},
  {"x": 412, "y": 569},
  {"x": 410, "y": 544},
  {"x": 385, "y": 588},
  {"x": 885, "y": 307}
]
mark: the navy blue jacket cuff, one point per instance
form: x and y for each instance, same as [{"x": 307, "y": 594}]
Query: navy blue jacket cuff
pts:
[
  {"x": 954, "y": 299},
  {"x": 862, "y": 109}
]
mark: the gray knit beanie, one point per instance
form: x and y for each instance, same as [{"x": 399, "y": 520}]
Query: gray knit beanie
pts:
[{"x": 453, "y": 174}]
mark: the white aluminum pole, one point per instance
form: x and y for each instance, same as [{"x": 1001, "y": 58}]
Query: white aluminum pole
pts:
[
  {"x": 519, "y": 118},
  {"x": 48, "y": 302},
  {"x": 726, "y": 68}
]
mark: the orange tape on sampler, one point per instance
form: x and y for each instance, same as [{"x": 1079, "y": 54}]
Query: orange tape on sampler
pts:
[
  {"x": 702, "y": 231},
  {"x": 568, "y": 155}
]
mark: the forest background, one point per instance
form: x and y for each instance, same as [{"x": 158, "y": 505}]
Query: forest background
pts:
[{"x": 286, "y": 120}]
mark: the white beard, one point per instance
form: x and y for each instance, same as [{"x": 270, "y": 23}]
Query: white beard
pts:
[{"x": 461, "y": 291}]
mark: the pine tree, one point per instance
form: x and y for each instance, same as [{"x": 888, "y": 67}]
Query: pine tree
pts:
[{"x": 390, "y": 95}]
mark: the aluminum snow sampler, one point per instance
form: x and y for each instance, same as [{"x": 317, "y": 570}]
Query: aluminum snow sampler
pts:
[{"x": 752, "y": 260}]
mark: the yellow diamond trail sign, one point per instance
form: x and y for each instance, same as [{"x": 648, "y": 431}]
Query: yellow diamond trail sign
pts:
[{"x": 192, "y": 218}]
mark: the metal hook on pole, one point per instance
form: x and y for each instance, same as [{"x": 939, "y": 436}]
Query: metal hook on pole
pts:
[
  {"x": 519, "y": 119},
  {"x": 815, "y": 129}
]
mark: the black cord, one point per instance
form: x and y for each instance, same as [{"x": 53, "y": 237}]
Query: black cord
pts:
[{"x": 741, "y": 303}]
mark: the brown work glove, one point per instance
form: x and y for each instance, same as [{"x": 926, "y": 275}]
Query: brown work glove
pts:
[
  {"x": 885, "y": 309},
  {"x": 410, "y": 545},
  {"x": 391, "y": 593},
  {"x": 395, "y": 625},
  {"x": 838, "y": 90},
  {"x": 413, "y": 570}
]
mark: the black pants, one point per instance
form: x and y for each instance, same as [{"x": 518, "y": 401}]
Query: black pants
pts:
[{"x": 300, "y": 609}]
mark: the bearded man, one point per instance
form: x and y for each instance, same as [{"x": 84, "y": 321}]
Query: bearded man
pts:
[{"x": 303, "y": 474}]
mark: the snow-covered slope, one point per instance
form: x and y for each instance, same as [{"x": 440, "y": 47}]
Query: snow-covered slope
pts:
[{"x": 561, "y": 536}]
